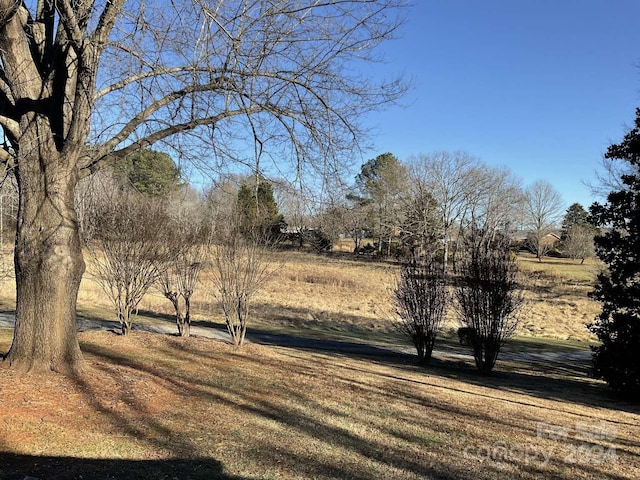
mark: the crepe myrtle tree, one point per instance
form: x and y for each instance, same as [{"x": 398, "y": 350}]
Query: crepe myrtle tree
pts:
[
  {"x": 178, "y": 281},
  {"x": 190, "y": 75},
  {"x": 241, "y": 265},
  {"x": 131, "y": 245},
  {"x": 488, "y": 295},
  {"x": 420, "y": 300}
]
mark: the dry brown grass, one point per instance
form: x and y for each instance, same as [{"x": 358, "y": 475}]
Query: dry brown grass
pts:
[
  {"x": 269, "y": 412},
  {"x": 559, "y": 306},
  {"x": 327, "y": 294},
  {"x": 344, "y": 296}
]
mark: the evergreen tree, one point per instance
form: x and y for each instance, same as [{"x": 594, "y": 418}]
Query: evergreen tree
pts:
[
  {"x": 258, "y": 211},
  {"x": 575, "y": 215},
  {"x": 383, "y": 183},
  {"x": 617, "y": 358},
  {"x": 150, "y": 172}
]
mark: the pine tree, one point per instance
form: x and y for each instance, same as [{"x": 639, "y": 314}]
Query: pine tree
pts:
[
  {"x": 617, "y": 358},
  {"x": 575, "y": 215}
]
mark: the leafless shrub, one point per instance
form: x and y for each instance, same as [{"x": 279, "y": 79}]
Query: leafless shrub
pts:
[
  {"x": 421, "y": 300},
  {"x": 488, "y": 296},
  {"x": 578, "y": 242},
  {"x": 130, "y": 247},
  {"x": 241, "y": 266},
  {"x": 178, "y": 281}
]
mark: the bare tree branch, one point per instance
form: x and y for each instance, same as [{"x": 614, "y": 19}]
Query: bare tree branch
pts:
[
  {"x": 10, "y": 126},
  {"x": 274, "y": 62},
  {"x": 96, "y": 163},
  {"x": 107, "y": 20},
  {"x": 70, "y": 20}
]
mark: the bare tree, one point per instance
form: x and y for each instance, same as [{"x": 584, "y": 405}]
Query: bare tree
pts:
[
  {"x": 421, "y": 299},
  {"x": 91, "y": 194},
  {"x": 221, "y": 200},
  {"x": 578, "y": 242},
  {"x": 420, "y": 228},
  {"x": 488, "y": 296},
  {"x": 130, "y": 248},
  {"x": 496, "y": 202},
  {"x": 543, "y": 211},
  {"x": 450, "y": 178},
  {"x": 178, "y": 282},
  {"x": 348, "y": 216},
  {"x": 608, "y": 177},
  {"x": 578, "y": 233},
  {"x": 122, "y": 76},
  {"x": 240, "y": 268}
]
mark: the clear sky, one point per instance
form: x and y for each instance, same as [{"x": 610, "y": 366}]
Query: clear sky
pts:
[{"x": 539, "y": 86}]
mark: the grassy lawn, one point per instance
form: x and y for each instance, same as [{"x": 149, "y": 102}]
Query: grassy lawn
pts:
[
  {"x": 151, "y": 405},
  {"x": 160, "y": 407}
]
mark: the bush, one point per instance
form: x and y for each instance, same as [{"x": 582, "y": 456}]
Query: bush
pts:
[
  {"x": 488, "y": 296},
  {"x": 318, "y": 241},
  {"x": 421, "y": 301}
]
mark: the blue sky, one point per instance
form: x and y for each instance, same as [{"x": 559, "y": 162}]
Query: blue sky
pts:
[{"x": 541, "y": 87}]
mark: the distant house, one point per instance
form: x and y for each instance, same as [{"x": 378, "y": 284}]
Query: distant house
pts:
[
  {"x": 551, "y": 239},
  {"x": 519, "y": 238}
]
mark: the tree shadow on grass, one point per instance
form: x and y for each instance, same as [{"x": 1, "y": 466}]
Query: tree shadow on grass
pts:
[
  {"x": 126, "y": 412},
  {"x": 567, "y": 382},
  {"x": 249, "y": 402},
  {"x": 352, "y": 348},
  {"x": 16, "y": 466},
  {"x": 553, "y": 378},
  {"x": 320, "y": 421},
  {"x": 541, "y": 371}
]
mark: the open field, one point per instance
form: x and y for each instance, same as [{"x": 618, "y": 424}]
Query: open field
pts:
[
  {"x": 344, "y": 296},
  {"x": 157, "y": 406},
  {"x": 339, "y": 295}
]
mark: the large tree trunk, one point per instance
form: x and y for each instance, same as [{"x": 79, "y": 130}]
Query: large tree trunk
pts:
[
  {"x": 51, "y": 91},
  {"x": 48, "y": 264}
]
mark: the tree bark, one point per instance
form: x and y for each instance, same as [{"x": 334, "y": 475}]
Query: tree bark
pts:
[
  {"x": 49, "y": 267},
  {"x": 124, "y": 317},
  {"x": 485, "y": 354},
  {"x": 186, "y": 327},
  {"x": 46, "y": 145}
]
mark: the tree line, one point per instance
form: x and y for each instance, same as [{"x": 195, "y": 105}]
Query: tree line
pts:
[{"x": 428, "y": 202}]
